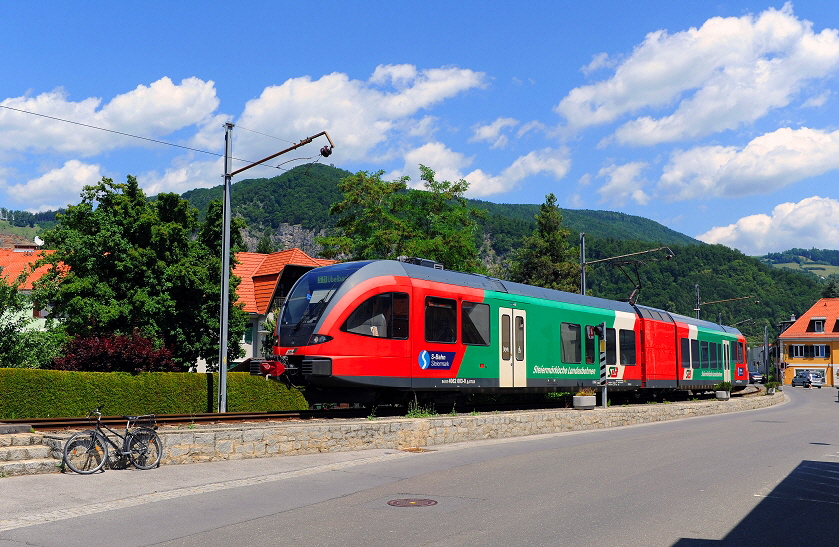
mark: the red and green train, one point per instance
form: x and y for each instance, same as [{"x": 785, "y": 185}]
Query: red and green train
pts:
[{"x": 373, "y": 330}]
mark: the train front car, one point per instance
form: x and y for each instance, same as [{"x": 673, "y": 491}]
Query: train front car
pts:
[{"x": 387, "y": 330}]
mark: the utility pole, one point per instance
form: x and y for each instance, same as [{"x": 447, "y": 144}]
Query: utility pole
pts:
[
  {"x": 225, "y": 270},
  {"x": 582, "y": 263},
  {"x": 326, "y": 151}
]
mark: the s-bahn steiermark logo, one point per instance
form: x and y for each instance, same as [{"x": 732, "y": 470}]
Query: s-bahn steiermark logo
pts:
[{"x": 437, "y": 360}]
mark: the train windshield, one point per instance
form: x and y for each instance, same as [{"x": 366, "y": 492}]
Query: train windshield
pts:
[{"x": 312, "y": 293}]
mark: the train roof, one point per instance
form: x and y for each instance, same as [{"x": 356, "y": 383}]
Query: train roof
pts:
[
  {"x": 375, "y": 268},
  {"x": 478, "y": 281}
]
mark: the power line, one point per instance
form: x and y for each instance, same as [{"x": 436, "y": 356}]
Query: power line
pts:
[
  {"x": 263, "y": 134},
  {"x": 147, "y": 138}
]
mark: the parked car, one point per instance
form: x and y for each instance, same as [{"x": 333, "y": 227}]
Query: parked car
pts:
[
  {"x": 756, "y": 377},
  {"x": 800, "y": 379}
]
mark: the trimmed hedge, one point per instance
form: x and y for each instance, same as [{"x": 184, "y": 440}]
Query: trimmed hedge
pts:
[{"x": 34, "y": 393}]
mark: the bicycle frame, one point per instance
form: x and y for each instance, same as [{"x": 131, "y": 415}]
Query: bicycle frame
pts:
[{"x": 124, "y": 451}]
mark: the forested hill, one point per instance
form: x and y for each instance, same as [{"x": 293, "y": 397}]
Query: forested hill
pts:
[
  {"x": 721, "y": 274},
  {"x": 303, "y": 196}
]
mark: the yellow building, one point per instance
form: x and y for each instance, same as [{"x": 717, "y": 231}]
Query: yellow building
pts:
[{"x": 812, "y": 342}]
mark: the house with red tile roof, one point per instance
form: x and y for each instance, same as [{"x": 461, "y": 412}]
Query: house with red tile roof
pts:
[
  {"x": 266, "y": 280},
  {"x": 812, "y": 342},
  {"x": 20, "y": 259}
]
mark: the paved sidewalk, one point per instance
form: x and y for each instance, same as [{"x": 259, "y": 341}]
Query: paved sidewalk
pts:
[{"x": 35, "y": 499}]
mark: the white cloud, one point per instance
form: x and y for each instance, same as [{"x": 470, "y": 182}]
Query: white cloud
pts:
[
  {"x": 148, "y": 111},
  {"x": 812, "y": 222},
  {"x": 601, "y": 60},
  {"x": 625, "y": 182},
  {"x": 450, "y": 165},
  {"x": 728, "y": 72},
  {"x": 765, "y": 164},
  {"x": 58, "y": 187},
  {"x": 362, "y": 117},
  {"x": 493, "y": 133},
  {"x": 184, "y": 175}
]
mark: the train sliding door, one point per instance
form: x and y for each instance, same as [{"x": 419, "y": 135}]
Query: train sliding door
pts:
[{"x": 512, "y": 371}]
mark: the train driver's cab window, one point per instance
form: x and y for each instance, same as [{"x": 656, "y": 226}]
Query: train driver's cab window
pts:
[
  {"x": 626, "y": 339},
  {"x": 440, "y": 320},
  {"x": 381, "y": 316},
  {"x": 571, "y": 343},
  {"x": 474, "y": 323}
]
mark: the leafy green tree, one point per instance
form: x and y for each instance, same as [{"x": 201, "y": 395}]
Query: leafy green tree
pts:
[
  {"x": 380, "y": 219},
  {"x": 831, "y": 290},
  {"x": 545, "y": 258},
  {"x": 22, "y": 346},
  {"x": 13, "y": 320},
  {"x": 124, "y": 264}
]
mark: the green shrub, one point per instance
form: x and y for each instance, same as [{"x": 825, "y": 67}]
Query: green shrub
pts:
[{"x": 32, "y": 393}]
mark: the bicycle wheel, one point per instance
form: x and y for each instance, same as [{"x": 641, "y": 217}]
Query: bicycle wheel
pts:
[
  {"x": 144, "y": 448},
  {"x": 85, "y": 452}
]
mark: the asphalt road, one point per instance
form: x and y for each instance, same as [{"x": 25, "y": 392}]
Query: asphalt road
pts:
[{"x": 763, "y": 477}]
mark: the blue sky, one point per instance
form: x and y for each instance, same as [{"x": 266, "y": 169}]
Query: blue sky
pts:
[{"x": 716, "y": 119}]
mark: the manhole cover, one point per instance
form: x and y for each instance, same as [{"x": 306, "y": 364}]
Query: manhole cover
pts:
[{"x": 412, "y": 502}]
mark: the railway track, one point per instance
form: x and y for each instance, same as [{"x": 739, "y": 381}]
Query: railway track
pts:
[{"x": 58, "y": 424}]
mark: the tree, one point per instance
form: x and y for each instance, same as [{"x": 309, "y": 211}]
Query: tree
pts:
[
  {"x": 22, "y": 346},
  {"x": 545, "y": 258},
  {"x": 380, "y": 219},
  {"x": 124, "y": 264},
  {"x": 13, "y": 320},
  {"x": 831, "y": 290},
  {"x": 266, "y": 245}
]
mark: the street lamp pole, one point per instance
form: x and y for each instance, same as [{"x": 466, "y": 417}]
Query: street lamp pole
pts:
[
  {"x": 326, "y": 151},
  {"x": 225, "y": 270}
]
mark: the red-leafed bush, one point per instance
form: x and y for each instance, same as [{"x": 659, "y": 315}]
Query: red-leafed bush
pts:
[{"x": 115, "y": 353}]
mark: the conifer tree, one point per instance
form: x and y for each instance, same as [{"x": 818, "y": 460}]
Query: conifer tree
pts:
[{"x": 545, "y": 258}]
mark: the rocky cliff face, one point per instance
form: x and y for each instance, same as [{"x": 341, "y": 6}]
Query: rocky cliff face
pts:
[
  {"x": 8, "y": 241},
  {"x": 287, "y": 236}
]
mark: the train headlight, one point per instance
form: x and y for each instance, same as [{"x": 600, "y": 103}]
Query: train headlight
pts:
[{"x": 319, "y": 339}]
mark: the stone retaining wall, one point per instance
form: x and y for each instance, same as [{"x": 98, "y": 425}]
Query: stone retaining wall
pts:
[{"x": 200, "y": 444}]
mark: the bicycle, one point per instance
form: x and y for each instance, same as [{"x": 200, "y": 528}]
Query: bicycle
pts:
[{"x": 86, "y": 452}]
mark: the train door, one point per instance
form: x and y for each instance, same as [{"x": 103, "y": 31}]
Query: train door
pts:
[
  {"x": 726, "y": 359},
  {"x": 512, "y": 371}
]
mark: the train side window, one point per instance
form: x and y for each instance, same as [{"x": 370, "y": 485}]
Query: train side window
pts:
[
  {"x": 519, "y": 337},
  {"x": 401, "y": 308},
  {"x": 381, "y": 316},
  {"x": 694, "y": 354},
  {"x": 611, "y": 348},
  {"x": 474, "y": 323},
  {"x": 685, "y": 352},
  {"x": 704, "y": 355},
  {"x": 627, "y": 346},
  {"x": 571, "y": 347},
  {"x": 712, "y": 346},
  {"x": 440, "y": 320},
  {"x": 505, "y": 337},
  {"x": 589, "y": 350}
]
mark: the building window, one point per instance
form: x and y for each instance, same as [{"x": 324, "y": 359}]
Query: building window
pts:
[
  {"x": 796, "y": 351},
  {"x": 820, "y": 351},
  {"x": 818, "y": 325}
]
